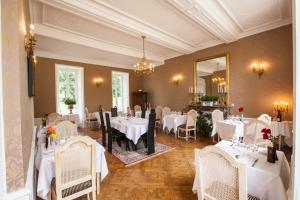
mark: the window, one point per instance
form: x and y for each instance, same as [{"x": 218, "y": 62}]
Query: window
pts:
[
  {"x": 69, "y": 84},
  {"x": 120, "y": 90}
]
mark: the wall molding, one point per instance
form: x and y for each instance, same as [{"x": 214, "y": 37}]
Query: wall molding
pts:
[{"x": 47, "y": 54}]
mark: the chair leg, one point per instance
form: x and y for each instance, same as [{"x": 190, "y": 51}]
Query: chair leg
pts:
[
  {"x": 88, "y": 196},
  {"x": 94, "y": 195},
  {"x": 186, "y": 135},
  {"x": 98, "y": 183}
]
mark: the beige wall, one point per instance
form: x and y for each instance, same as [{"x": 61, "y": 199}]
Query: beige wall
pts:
[
  {"x": 17, "y": 106},
  {"x": 255, "y": 95},
  {"x": 44, "y": 101}
]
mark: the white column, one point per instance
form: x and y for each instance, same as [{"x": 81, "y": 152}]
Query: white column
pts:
[
  {"x": 295, "y": 186},
  {"x": 2, "y": 147}
]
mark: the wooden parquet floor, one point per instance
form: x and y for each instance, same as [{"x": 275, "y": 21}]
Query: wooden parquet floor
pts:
[{"x": 167, "y": 177}]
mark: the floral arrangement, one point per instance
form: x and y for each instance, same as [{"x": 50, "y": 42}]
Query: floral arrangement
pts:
[
  {"x": 69, "y": 101},
  {"x": 51, "y": 132},
  {"x": 241, "y": 110},
  {"x": 266, "y": 133}
]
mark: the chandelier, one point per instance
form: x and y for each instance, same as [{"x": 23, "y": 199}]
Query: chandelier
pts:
[
  {"x": 217, "y": 79},
  {"x": 144, "y": 66}
]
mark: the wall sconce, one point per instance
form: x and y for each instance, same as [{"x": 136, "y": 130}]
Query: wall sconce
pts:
[
  {"x": 30, "y": 40},
  {"x": 258, "y": 68},
  {"x": 98, "y": 81},
  {"x": 177, "y": 79}
]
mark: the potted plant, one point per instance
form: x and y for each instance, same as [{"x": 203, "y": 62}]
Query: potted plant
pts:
[
  {"x": 207, "y": 100},
  {"x": 215, "y": 99},
  {"x": 70, "y": 102}
]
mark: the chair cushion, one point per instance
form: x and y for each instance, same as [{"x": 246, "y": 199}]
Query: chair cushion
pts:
[
  {"x": 69, "y": 191},
  {"x": 225, "y": 192},
  {"x": 184, "y": 126}
]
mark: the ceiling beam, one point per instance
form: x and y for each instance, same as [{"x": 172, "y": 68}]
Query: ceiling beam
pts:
[
  {"x": 211, "y": 15},
  {"x": 85, "y": 40},
  {"x": 122, "y": 21}
]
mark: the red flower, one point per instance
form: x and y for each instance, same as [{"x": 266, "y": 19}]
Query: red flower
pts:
[
  {"x": 265, "y": 136},
  {"x": 241, "y": 109},
  {"x": 266, "y": 131}
]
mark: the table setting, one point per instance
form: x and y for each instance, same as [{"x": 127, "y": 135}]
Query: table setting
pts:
[
  {"x": 265, "y": 180},
  {"x": 45, "y": 159},
  {"x": 132, "y": 127}
]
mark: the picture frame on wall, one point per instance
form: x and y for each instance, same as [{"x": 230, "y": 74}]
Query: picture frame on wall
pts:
[{"x": 31, "y": 74}]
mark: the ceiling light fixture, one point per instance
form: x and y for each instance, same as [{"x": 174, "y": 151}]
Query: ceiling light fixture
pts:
[{"x": 144, "y": 66}]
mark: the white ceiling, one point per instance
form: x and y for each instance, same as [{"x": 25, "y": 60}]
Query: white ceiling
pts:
[{"x": 107, "y": 32}]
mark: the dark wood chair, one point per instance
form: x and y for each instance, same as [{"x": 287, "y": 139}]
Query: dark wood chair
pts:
[
  {"x": 150, "y": 133},
  {"x": 103, "y": 129},
  {"x": 148, "y": 138},
  {"x": 143, "y": 113},
  {"x": 114, "y": 112},
  {"x": 114, "y": 135},
  {"x": 109, "y": 133}
]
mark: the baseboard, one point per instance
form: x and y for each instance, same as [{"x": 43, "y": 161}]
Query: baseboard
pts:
[{"x": 28, "y": 192}]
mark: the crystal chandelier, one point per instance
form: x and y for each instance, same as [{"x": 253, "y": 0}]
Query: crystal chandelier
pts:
[
  {"x": 144, "y": 66},
  {"x": 217, "y": 79}
]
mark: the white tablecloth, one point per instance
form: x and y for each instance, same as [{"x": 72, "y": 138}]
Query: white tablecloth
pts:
[
  {"x": 172, "y": 121},
  {"x": 133, "y": 127},
  {"x": 225, "y": 129},
  {"x": 45, "y": 164},
  {"x": 228, "y": 128},
  {"x": 266, "y": 181},
  {"x": 284, "y": 128}
]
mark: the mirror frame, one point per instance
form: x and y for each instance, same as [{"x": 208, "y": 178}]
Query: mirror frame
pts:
[{"x": 227, "y": 72}]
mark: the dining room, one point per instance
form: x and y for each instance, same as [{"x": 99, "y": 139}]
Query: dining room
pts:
[{"x": 150, "y": 100}]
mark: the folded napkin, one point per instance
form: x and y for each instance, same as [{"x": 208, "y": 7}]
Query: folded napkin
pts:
[{"x": 246, "y": 159}]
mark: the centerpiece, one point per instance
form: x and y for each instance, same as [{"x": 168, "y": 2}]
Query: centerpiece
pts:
[
  {"x": 50, "y": 135},
  {"x": 266, "y": 134},
  {"x": 70, "y": 102}
]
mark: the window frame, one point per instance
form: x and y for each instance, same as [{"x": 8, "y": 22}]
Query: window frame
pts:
[
  {"x": 126, "y": 86},
  {"x": 79, "y": 88}
]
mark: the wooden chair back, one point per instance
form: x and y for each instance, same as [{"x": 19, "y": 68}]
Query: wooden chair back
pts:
[
  {"x": 219, "y": 175},
  {"x": 109, "y": 133},
  {"x": 143, "y": 113},
  {"x": 103, "y": 129},
  {"x": 265, "y": 118},
  {"x": 150, "y": 133},
  {"x": 114, "y": 112},
  {"x": 66, "y": 129},
  {"x": 158, "y": 111},
  {"x": 75, "y": 168}
]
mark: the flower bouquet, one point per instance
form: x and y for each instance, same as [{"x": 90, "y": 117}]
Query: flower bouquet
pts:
[
  {"x": 50, "y": 135},
  {"x": 266, "y": 134}
]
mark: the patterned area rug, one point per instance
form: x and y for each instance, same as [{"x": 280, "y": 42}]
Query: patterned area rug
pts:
[{"x": 134, "y": 157}]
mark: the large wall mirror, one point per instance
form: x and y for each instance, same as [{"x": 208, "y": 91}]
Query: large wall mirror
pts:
[{"x": 211, "y": 79}]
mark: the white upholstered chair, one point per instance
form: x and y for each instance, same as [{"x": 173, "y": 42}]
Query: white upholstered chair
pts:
[
  {"x": 253, "y": 134},
  {"x": 66, "y": 129},
  {"x": 90, "y": 121},
  {"x": 52, "y": 117},
  {"x": 217, "y": 115},
  {"x": 219, "y": 176},
  {"x": 190, "y": 126},
  {"x": 137, "y": 108},
  {"x": 158, "y": 111},
  {"x": 75, "y": 169},
  {"x": 265, "y": 118},
  {"x": 187, "y": 128}
]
